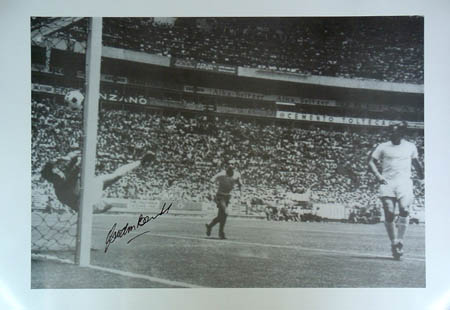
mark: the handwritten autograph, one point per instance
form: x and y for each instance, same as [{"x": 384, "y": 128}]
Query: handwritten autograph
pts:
[{"x": 114, "y": 234}]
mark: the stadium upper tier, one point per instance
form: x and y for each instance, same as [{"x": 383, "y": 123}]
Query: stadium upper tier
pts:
[
  {"x": 388, "y": 49},
  {"x": 382, "y": 48}
]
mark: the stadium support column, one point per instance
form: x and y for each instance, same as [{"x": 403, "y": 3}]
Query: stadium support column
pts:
[
  {"x": 90, "y": 119},
  {"x": 48, "y": 55}
]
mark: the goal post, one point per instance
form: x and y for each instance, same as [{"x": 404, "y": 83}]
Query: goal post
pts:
[
  {"x": 90, "y": 122},
  {"x": 66, "y": 56}
]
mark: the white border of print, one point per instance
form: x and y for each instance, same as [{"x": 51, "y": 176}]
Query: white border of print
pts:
[{"x": 15, "y": 292}]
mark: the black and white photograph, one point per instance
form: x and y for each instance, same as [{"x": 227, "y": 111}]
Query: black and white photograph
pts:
[
  {"x": 227, "y": 152},
  {"x": 225, "y": 155}
]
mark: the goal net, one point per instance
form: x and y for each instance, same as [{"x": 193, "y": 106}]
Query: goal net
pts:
[{"x": 59, "y": 77}]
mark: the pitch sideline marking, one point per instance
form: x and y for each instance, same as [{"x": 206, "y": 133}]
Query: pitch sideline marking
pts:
[
  {"x": 145, "y": 277},
  {"x": 116, "y": 271},
  {"x": 283, "y": 246},
  {"x": 45, "y": 257}
]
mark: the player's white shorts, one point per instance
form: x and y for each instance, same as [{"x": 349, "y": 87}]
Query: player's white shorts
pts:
[{"x": 401, "y": 189}]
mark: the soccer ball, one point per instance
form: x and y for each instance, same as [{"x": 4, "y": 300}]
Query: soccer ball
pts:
[{"x": 74, "y": 100}]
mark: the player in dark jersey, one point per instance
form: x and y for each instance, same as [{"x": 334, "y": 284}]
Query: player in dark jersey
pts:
[
  {"x": 226, "y": 181},
  {"x": 64, "y": 175}
]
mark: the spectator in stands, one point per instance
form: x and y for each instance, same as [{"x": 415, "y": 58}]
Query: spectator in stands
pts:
[{"x": 307, "y": 157}]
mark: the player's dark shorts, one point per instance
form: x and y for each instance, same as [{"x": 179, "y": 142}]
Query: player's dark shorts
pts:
[{"x": 222, "y": 198}]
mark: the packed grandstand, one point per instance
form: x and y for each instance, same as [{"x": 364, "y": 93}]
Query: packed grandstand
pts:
[
  {"x": 271, "y": 157},
  {"x": 275, "y": 157},
  {"x": 370, "y": 47}
]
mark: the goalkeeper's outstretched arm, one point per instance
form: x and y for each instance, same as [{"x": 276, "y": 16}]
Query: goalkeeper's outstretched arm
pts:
[{"x": 110, "y": 179}]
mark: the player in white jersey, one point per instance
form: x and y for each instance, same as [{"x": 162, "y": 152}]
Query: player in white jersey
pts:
[
  {"x": 396, "y": 188},
  {"x": 226, "y": 181}
]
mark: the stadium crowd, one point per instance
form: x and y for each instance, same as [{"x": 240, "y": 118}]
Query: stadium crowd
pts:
[
  {"x": 382, "y": 48},
  {"x": 388, "y": 48},
  {"x": 273, "y": 158}
]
